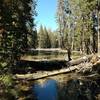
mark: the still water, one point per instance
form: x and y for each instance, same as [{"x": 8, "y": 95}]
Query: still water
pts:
[
  {"x": 46, "y": 91},
  {"x": 65, "y": 87},
  {"x": 53, "y": 88}
]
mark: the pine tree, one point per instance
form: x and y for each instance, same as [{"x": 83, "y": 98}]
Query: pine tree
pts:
[
  {"x": 41, "y": 39},
  {"x": 15, "y": 19},
  {"x": 47, "y": 39}
]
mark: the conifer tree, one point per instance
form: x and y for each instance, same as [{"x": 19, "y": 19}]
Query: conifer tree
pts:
[{"x": 16, "y": 21}]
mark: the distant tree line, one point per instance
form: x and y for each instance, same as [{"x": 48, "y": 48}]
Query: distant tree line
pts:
[{"x": 47, "y": 38}]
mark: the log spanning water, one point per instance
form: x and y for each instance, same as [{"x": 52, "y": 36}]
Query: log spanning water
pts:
[
  {"x": 71, "y": 66},
  {"x": 44, "y": 74}
]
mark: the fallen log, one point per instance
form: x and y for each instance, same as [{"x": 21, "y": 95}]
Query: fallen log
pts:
[
  {"x": 54, "y": 63},
  {"x": 73, "y": 67},
  {"x": 36, "y": 76},
  {"x": 80, "y": 60}
]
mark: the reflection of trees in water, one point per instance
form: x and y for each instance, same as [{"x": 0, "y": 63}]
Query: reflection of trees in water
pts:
[
  {"x": 45, "y": 90},
  {"x": 79, "y": 90}
]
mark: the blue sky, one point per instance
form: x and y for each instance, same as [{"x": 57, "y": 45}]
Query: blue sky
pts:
[{"x": 46, "y": 10}]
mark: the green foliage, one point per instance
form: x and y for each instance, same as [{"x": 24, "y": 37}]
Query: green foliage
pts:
[
  {"x": 47, "y": 38},
  {"x": 6, "y": 79},
  {"x": 75, "y": 23},
  {"x": 41, "y": 40},
  {"x": 16, "y": 25},
  {"x": 32, "y": 40},
  {"x": 44, "y": 40},
  {"x": 54, "y": 38}
]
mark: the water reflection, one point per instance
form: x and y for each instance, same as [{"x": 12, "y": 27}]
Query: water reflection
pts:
[
  {"x": 46, "y": 91},
  {"x": 66, "y": 87}
]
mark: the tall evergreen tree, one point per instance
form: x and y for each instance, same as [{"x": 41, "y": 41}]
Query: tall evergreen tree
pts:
[
  {"x": 41, "y": 39},
  {"x": 16, "y": 17},
  {"x": 47, "y": 38}
]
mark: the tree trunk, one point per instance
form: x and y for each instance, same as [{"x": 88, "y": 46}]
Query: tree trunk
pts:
[{"x": 69, "y": 54}]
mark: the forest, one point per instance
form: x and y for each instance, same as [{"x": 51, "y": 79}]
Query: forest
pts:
[{"x": 78, "y": 30}]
